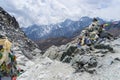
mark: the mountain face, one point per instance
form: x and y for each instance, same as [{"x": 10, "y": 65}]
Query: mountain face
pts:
[
  {"x": 114, "y": 28},
  {"x": 63, "y": 29},
  {"x": 45, "y": 44},
  {"x": 10, "y": 27}
]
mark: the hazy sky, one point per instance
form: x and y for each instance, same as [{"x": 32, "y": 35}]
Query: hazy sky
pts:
[{"x": 29, "y": 12}]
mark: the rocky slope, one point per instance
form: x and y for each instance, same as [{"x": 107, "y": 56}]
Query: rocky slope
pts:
[
  {"x": 46, "y": 43},
  {"x": 97, "y": 64},
  {"x": 24, "y": 49},
  {"x": 10, "y": 27},
  {"x": 114, "y": 28}
]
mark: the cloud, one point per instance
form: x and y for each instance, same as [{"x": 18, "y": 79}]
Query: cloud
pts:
[{"x": 29, "y": 12}]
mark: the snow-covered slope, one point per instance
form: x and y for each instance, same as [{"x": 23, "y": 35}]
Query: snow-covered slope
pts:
[
  {"x": 108, "y": 67},
  {"x": 46, "y": 69}
]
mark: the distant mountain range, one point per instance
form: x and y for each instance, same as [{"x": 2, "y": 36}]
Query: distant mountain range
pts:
[
  {"x": 67, "y": 29},
  {"x": 114, "y": 28}
]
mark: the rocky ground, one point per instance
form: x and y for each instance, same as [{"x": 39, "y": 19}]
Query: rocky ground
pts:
[{"x": 97, "y": 64}]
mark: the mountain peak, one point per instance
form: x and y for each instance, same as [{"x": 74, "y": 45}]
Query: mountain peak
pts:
[
  {"x": 7, "y": 19},
  {"x": 10, "y": 27}
]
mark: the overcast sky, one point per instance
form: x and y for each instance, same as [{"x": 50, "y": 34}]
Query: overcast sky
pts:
[{"x": 29, "y": 12}]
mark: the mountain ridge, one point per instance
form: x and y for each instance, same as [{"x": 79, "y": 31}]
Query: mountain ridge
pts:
[
  {"x": 63, "y": 29},
  {"x": 10, "y": 27}
]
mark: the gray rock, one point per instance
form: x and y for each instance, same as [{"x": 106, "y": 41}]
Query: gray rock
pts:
[
  {"x": 92, "y": 62},
  {"x": 52, "y": 53},
  {"x": 117, "y": 59},
  {"x": 102, "y": 46}
]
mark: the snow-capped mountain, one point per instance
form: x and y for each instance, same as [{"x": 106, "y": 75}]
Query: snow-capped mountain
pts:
[{"x": 63, "y": 29}]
